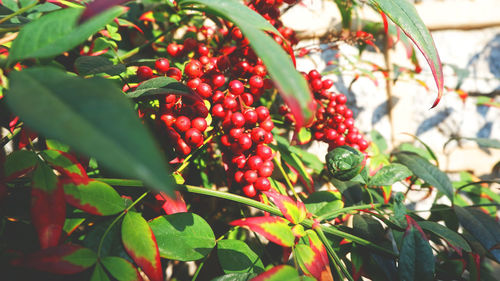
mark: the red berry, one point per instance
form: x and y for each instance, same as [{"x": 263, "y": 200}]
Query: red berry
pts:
[
  {"x": 218, "y": 80},
  {"x": 259, "y": 70},
  {"x": 258, "y": 135},
  {"x": 218, "y": 97},
  {"x": 249, "y": 190},
  {"x": 254, "y": 162},
  {"x": 247, "y": 99},
  {"x": 194, "y": 137},
  {"x": 173, "y": 49},
  {"x": 314, "y": 74},
  {"x": 238, "y": 176},
  {"x": 262, "y": 113},
  {"x": 182, "y": 147},
  {"x": 168, "y": 119},
  {"x": 144, "y": 72},
  {"x": 182, "y": 124},
  {"x": 238, "y": 120},
  {"x": 235, "y": 133},
  {"x": 199, "y": 123},
  {"x": 316, "y": 85},
  {"x": 175, "y": 73},
  {"x": 218, "y": 111},
  {"x": 203, "y": 50},
  {"x": 245, "y": 142},
  {"x": 267, "y": 125},
  {"x": 193, "y": 69},
  {"x": 340, "y": 140},
  {"x": 204, "y": 90},
  {"x": 193, "y": 83},
  {"x": 230, "y": 103},
  {"x": 162, "y": 65},
  {"x": 264, "y": 152},
  {"x": 262, "y": 184},
  {"x": 327, "y": 84},
  {"x": 341, "y": 99},
  {"x": 250, "y": 176},
  {"x": 189, "y": 44},
  {"x": 236, "y": 87},
  {"x": 251, "y": 117},
  {"x": 256, "y": 82},
  {"x": 265, "y": 171}
]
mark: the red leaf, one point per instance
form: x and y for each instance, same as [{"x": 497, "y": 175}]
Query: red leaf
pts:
[
  {"x": 48, "y": 207},
  {"x": 279, "y": 272},
  {"x": 63, "y": 259},
  {"x": 275, "y": 229},
  {"x": 171, "y": 205},
  {"x": 321, "y": 257},
  {"x": 67, "y": 165},
  {"x": 293, "y": 211}
]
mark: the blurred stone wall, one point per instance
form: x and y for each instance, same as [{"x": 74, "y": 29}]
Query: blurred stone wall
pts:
[{"x": 467, "y": 36}]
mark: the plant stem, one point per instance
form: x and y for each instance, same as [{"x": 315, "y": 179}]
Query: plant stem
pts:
[
  {"x": 256, "y": 204},
  {"x": 18, "y": 12},
  {"x": 348, "y": 209},
  {"x": 287, "y": 179},
  {"x": 116, "y": 220},
  {"x": 186, "y": 162},
  {"x": 10, "y": 136},
  {"x": 333, "y": 255}
]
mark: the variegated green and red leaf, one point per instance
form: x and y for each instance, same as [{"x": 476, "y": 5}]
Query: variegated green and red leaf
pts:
[
  {"x": 95, "y": 197},
  {"x": 67, "y": 165},
  {"x": 278, "y": 273},
  {"x": 275, "y": 229},
  {"x": 311, "y": 263},
  {"x": 293, "y": 211},
  {"x": 320, "y": 253},
  {"x": 121, "y": 269},
  {"x": 18, "y": 163},
  {"x": 140, "y": 244},
  {"x": 62, "y": 259},
  {"x": 48, "y": 207}
]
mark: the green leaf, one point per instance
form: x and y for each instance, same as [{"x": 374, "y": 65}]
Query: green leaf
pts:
[
  {"x": 389, "y": 175},
  {"x": 279, "y": 273},
  {"x": 161, "y": 85},
  {"x": 344, "y": 162},
  {"x": 120, "y": 269},
  {"x": 404, "y": 14},
  {"x": 235, "y": 277},
  {"x": 99, "y": 274},
  {"x": 57, "y": 32},
  {"x": 379, "y": 141},
  {"x": 95, "y": 197},
  {"x": 447, "y": 234},
  {"x": 65, "y": 164},
  {"x": 293, "y": 211},
  {"x": 89, "y": 65},
  {"x": 91, "y": 115},
  {"x": 291, "y": 84},
  {"x": 368, "y": 228},
  {"x": 416, "y": 261},
  {"x": 275, "y": 229},
  {"x": 236, "y": 257},
  {"x": 194, "y": 239},
  {"x": 323, "y": 202},
  {"x": 19, "y": 163},
  {"x": 292, "y": 157},
  {"x": 426, "y": 171},
  {"x": 483, "y": 227},
  {"x": 140, "y": 244}
]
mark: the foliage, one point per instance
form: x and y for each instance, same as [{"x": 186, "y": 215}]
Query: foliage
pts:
[{"x": 151, "y": 134}]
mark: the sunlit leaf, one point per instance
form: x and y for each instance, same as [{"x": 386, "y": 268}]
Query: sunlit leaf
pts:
[
  {"x": 293, "y": 211},
  {"x": 275, "y": 229},
  {"x": 95, "y": 197}
]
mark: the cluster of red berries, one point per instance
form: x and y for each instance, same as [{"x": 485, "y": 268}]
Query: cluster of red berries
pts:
[
  {"x": 228, "y": 82},
  {"x": 334, "y": 123}
]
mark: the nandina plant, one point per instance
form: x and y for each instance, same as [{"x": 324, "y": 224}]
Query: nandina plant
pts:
[{"x": 145, "y": 135}]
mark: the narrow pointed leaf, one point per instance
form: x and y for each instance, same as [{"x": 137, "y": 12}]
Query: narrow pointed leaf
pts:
[
  {"x": 162, "y": 85},
  {"x": 66, "y": 164},
  {"x": 310, "y": 263},
  {"x": 236, "y": 257},
  {"x": 172, "y": 205},
  {"x": 95, "y": 197},
  {"x": 389, "y": 175},
  {"x": 140, "y": 244},
  {"x": 447, "y": 234},
  {"x": 291, "y": 84},
  {"x": 404, "y": 14},
  {"x": 18, "y": 163},
  {"x": 99, "y": 274},
  {"x": 48, "y": 208},
  {"x": 89, "y": 65},
  {"x": 92, "y": 116},
  {"x": 275, "y": 229},
  {"x": 193, "y": 236},
  {"x": 63, "y": 259},
  {"x": 484, "y": 228},
  {"x": 57, "y": 32},
  {"x": 416, "y": 261},
  {"x": 293, "y": 211},
  {"x": 323, "y": 202},
  {"x": 426, "y": 171},
  {"x": 279, "y": 273},
  {"x": 120, "y": 269}
]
